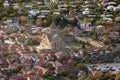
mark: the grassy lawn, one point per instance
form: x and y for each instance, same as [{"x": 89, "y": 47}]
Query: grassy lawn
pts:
[
  {"x": 76, "y": 45},
  {"x": 64, "y": 78}
]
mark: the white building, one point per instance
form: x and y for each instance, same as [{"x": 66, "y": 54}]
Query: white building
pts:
[
  {"x": 44, "y": 12},
  {"x": 54, "y": 1},
  {"x": 6, "y": 4},
  {"x": 15, "y": 6},
  {"x": 33, "y": 12}
]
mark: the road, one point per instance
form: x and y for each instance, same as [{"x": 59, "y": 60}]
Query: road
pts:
[{"x": 102, "y": 66}]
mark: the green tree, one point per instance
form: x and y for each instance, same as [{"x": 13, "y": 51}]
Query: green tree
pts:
[
  {"x": 81, "y": 66},
  {"x": 53, "y": 6},
  {"x": 86, "y": 20},
  {"x": 28, "y": 42},
  {"x": 6, "y": 53},
  {"x": 73, "y": 22},
  {"x": 80, "y": 78},
  {"x": 89, "y": 77},
  {"x": 108, "y": 47},
  {"x": 1, "y": 1},
  {"x": 17, "y": 69},
  {"x": 117, "y": 76},
  {"x": 63, "y": 73},
  {"x": 73, "y": 64},
  {"x": 4, "y": 18},
  {"x": 98, "y": 9},
  {"x": 9, "y": 71},
  {"x": 46, "y": 23},
  {"x": 81, "y": 1},
  {"x": 104, "y": 76},
  {"x": 49, "y": 66},
  {"x": 83, "y": 44},
  {"x": 63, "y": 22},
  {"x": 101, "y": 22},
  {"x": 22, "y": 19}
]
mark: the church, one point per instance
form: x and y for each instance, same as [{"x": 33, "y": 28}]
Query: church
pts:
[{"x": 51, "y": 40}]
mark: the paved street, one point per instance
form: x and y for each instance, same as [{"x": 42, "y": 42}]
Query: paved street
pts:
[{"x": 114, "y": 66}]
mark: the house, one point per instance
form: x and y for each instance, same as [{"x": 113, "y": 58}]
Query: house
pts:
[
  {"x": 41, "y": 16},
  {"x": 113, "y": 35},
  {"x": 117, "y": 19},
  {"x": 112, "y": 3},
  {"x": 45, "y": 12},
  {"x": 54, "y": 1},
  {"x": 56, "y": 13},
  {"x": 15, "y": 6},
  {"x": 29, "y": 6},
  {"x": 9, "y": 42},
  {"x": 82, "y": 73},
  {"x": 85, "y": 12},
  {"x": 100, "y": 26},
  {"x": 18, "y": 77},
  {"x": 2, "y": 33},
  {"x": 85, "y": 26},
  {"x": 118, "y": 7},
  {"x": 62, "y": 7},
  {"x": 42, "y": 70},
  {"x": 59, "y": 54},
  {"x": 6, "y": 4},
  {"x": 33, "y": 77},
  {"x": 88, "y": 1},
  {"x": 33, "y": 12},
  {"x": 2, "y": 77},
  {"x": 110, "y": 7}
]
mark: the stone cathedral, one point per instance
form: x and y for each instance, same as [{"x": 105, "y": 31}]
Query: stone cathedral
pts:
[{"x": 51, "y": 39}]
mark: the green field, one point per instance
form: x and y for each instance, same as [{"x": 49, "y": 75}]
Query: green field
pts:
[
  {"x": 77, "y": 45},
  {"x": 74, "y": 45}
]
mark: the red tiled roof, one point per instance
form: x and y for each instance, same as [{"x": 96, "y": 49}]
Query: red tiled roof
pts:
[{"x": 59, "y": 53}]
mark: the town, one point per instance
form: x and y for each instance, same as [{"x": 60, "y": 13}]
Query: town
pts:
[{"x": 59, "y": 40}]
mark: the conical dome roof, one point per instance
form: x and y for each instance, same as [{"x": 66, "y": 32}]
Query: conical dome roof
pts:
[{"x": 53, "y": 25}]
